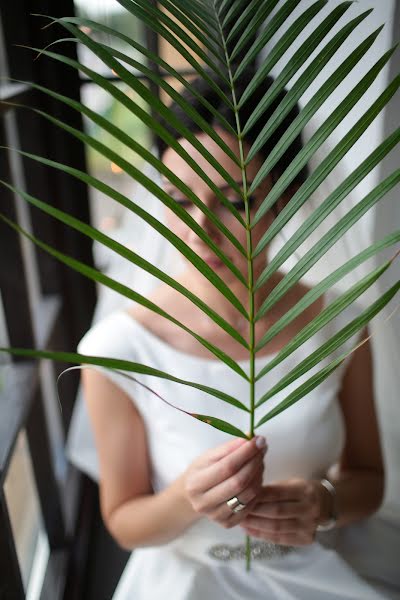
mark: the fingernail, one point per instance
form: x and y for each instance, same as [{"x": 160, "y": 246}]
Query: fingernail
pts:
[{"x": 261, "y": 442}]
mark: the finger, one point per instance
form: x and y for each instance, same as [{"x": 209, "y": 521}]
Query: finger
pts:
[
  {"x": 216, "y": 499},
  {"x": 228, "y": 466},
  {"x": 289, "y": 491},
  {"x": 225, "y": 516},
  {"x": 281, "y": 510},
  {"x": 302, "y": 538},
  {"x": 245, "y": 484},
  {"x": 269, "y": 526},
  {"x": 219, "y": 452}
]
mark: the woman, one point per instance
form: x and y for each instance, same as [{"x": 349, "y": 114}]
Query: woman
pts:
[{"x": 176, "y": 490}]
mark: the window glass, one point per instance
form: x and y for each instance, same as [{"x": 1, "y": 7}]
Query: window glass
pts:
[
  {"x": 113, "y": 15},
  {"x": 106, "y": 213},
  {"x": 25, "y": 516}
]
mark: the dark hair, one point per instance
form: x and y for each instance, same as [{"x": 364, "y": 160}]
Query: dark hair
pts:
[{"x": 206, "y": 91}]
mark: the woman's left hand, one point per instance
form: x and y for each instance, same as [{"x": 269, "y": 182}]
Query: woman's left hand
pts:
[{"x": 287, "y": 512}]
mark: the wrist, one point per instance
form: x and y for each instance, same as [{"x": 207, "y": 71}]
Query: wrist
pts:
[
  {"x": 183, "y": 504},
  {"x": 328, "y": 510}
]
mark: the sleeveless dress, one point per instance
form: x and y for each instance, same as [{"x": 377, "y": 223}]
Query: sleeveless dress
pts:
[{"x": 206, "y": 561}]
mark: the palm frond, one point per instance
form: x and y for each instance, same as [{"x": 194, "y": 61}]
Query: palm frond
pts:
[
  {"x": 125, "y": 291},
  {"x": 325, "y": 350},
  {"x": 328, "y": 240},
  {"x": 220, "y": 40},
  {"x": 95, "y": 183},
  {"x": 325, "y": 285},
  {"x": 121, "y": 365},
  {"x": 323, "y": 133},
  {"x": 330, "y": 203},
  {"x": 300, "y": 56},
  {"x": 325, "y": 316}
]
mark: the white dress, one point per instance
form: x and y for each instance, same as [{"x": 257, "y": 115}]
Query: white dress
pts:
[{"x": 303, "y": 441}]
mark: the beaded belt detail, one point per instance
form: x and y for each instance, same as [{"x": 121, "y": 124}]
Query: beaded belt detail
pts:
[{"x": 258, "y": 550}]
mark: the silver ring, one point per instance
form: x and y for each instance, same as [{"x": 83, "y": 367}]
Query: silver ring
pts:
[{"x": 235, "y": 505}]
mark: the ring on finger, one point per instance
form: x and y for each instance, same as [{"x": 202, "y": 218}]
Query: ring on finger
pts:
[{"x": 235, "y": 505}]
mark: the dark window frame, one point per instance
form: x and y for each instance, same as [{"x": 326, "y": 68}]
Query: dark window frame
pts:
[{"x": 45, "y": 303}]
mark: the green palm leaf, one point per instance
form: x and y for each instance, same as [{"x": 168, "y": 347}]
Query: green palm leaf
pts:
[
  {"x": 220, "y": 424},
  {"x": 150, "y": 158},
  {"x": 325, "y": 350},
  {"x": 125, "y": 291},
  {"x": 152, "y": 58},
  {"x": 157, "y": 225},
  {"x": 329, "y": 204},
  {"x": 298, "y": 58},
  {"x": 117, "y": 364},
  {"x": 328, "y": 240},
  {"x": 199, "y": 32},
  {"x": 324, "y": 317}
]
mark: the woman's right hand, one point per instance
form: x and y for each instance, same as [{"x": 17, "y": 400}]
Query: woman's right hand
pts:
[{"x": 232, "y": 469}]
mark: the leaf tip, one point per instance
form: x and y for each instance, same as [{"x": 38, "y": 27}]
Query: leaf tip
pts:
[{"x": 395, "y": 256}]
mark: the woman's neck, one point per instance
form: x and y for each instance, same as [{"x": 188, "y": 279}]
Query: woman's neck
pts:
[{"x": 206, "y": 291}]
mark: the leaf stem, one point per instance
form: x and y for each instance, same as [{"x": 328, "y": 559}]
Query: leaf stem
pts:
[{"x": 251, "y": 313}]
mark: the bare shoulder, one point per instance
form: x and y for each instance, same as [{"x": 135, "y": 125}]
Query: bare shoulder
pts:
[
  {"x": 358, "y": 378},
  {"x": 165, "y": 298}
]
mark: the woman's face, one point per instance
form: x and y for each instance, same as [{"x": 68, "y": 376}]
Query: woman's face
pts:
[{"x": 178, "y": 166}]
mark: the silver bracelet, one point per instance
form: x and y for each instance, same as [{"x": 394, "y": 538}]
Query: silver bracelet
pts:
[{"x": 331, "y": 522}]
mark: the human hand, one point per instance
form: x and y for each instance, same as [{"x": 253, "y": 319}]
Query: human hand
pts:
[
  {"x": 232, "y": 469},
  {"x": 288, "y": 512}
]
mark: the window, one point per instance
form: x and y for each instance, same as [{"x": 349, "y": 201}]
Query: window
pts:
[{"x": 40, "y": 308}]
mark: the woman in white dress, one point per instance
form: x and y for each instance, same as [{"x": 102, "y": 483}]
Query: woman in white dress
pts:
[{"x": 180, "y": 493}]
